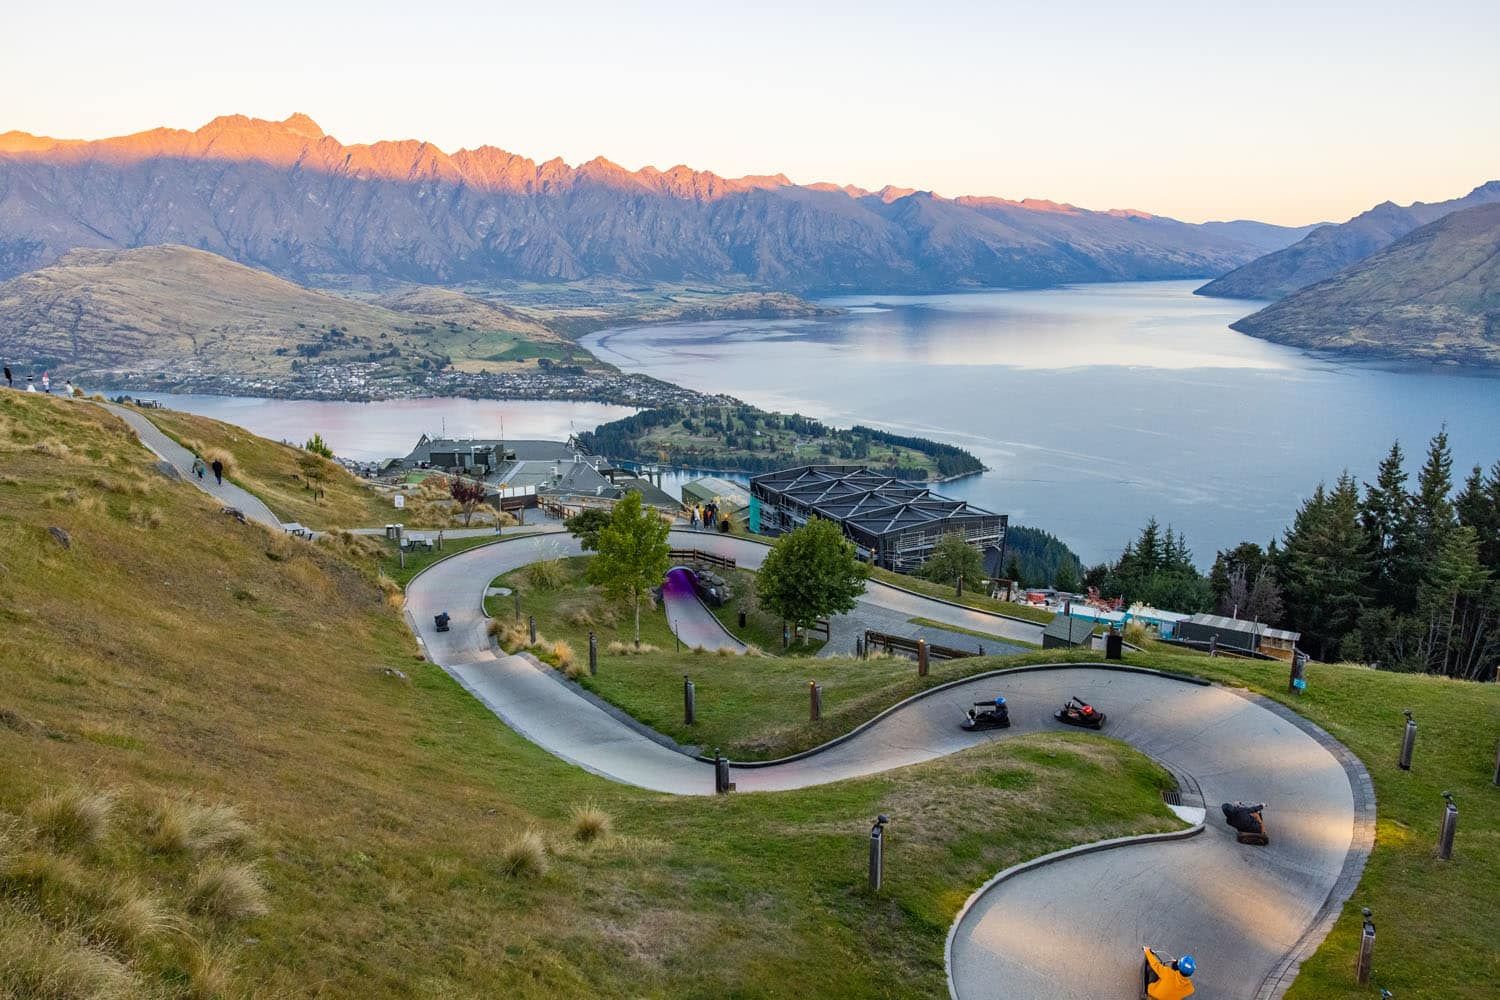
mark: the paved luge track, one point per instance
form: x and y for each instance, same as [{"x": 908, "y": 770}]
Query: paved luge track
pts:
[{"x": 1071, "y": 929}]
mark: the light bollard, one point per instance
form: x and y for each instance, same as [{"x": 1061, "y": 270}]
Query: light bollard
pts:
[
  {"x": 1408, "y": 741},
  {"x": 960, "y": 591},
  {"x": 877, "y": 852},
  {"x": 1296, "y": 681},
  {"x": 722, "y": 784},
  {"x": 517, "y": 595},
  {"x": 531, "y": 627},
  {"x": 1366, "y": 954},
  {"x": 921, "y": 657},
  {"x": 593, "y": 654},
  {"x": 1448, "y": 829},
  {"x": 814, "y": 701},
  {"x": 1497, "y": 763},
  {"x": 689, "y": 701}
]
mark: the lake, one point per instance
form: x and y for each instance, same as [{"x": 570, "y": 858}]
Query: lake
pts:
[{"x": 1095, "y": 407}]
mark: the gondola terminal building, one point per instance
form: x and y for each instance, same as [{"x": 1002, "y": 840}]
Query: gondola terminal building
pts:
[{"x": 893, "y": 523}]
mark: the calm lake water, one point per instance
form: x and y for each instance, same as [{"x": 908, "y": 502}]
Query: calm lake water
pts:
[{"x": 1095, "y": 407}]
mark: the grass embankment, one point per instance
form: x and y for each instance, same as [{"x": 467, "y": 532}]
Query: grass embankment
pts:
[
  {"x": 934, "y": 623},
  {"x": 977, "y": 601},
  {"x": 407, "y": 843},
  {"x": 287, "y": 479},
  {"x": 762, "y": 628}
]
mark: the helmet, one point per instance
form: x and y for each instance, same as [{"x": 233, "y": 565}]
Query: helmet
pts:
[
  {"x": 1187, "y": 966},
  {"x": 999, "y": 699}
]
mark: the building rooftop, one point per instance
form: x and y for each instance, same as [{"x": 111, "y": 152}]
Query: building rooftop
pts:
[
  {"x": 1241, "y": 625},
  {"x": 521, "y": 449},
  {"x": 730, "y": 495},
  {"x": 870, "y": 501}
]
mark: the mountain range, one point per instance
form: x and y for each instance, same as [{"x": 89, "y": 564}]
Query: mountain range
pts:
[
  {"x": 1328, "y": 249},
  {"x": 288, "y": 198},
  {"x": 1432, "y": 295}
]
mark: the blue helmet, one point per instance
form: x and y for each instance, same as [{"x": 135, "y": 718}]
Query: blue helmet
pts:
[
  {"x": 999, "y": 699},
  {"x": 1187, "y": 966}
]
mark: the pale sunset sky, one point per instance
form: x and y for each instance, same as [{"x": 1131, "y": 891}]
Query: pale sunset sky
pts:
[{"x": 1290, "y": 113}]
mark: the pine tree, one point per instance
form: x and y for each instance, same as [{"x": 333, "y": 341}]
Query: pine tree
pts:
[
  {"x": 1432, "y": 513},
  {"x": 1386, "y": 517},
  {"x": 1478, "y": 507},
  {"x": 1323, "y": 567}
]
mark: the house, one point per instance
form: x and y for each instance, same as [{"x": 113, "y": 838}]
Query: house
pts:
[
  {"x": 1239, "y": 635},
  {"x": 730, "y": 498}
]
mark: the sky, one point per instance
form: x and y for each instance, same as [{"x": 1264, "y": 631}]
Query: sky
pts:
[{"x": 1288, "y": 113}]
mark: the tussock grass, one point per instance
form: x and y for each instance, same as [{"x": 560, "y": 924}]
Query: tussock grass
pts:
[
  {"x": 524, "y": 856},
  {"x": 133, "y": 921},
  {"x": 183, "y": 826},
  {"x": 562, "y": 652},
  {"x": 210, "y": 970},
  {"x": 52, "y": 448},
  {"x": 547, "y": 575},
  {"x": 618, "y": 648},
  {"x": 37, "y": 963},
  {"x": 228, "y": 891},
  {"x": 590, "y": 823},
  {"x": 71, "y": 817}
]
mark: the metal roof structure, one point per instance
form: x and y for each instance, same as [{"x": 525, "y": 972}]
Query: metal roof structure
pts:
[
  {"x": 897, "y": 522},
  {"x": 1241, "y": 625}
]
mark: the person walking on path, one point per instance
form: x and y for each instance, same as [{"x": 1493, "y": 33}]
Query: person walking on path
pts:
[
  {"x": 47, "y": 383},
  {"x": 693, "y": 516},
  {"x": 198, "y": 467},
  {"x": 218, "y": 472},
  {"x": 9, "y": 379}
]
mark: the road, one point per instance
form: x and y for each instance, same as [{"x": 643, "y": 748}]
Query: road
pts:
[{"x": 1068, "y": 930}]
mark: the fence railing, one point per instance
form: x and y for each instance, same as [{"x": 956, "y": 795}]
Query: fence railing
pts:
[
  {"x": 698, "y": 555},
  {"x": 901, "y": 644}
]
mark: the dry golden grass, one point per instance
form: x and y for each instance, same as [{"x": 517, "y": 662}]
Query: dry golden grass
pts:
[
  {"x": 229, "y": 891},
  {"x": 37, "y": 963},
  {"x": 210, "y": 969},
  {"x": 617, "y": 648},
  {"x": 72, "y": 817},
  {"x": 590, "y": 823},
  {"x": 133, "y": 921},
  {"x": 184, "y": 826},
  {"x": 524, "y": 856},
  {"x": 547, "y": 575}
]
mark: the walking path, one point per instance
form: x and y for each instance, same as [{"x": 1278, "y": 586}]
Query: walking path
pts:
[
  {"x": 182, "y": 460},
  {"x": 690, "y": 618},
  {"x": 1244, "y": 912}
]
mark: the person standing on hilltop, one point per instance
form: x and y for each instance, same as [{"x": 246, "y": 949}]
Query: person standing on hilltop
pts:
[
  {"x": 218, "y": 468},
  {"x": 47, "y": 383},
  {"x": 9, "y": 379},
  {"x": 31, "y": 383}
]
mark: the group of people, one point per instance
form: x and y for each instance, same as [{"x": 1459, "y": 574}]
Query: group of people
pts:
[
  {"x": 707, "y": 517},
  {"x": 10, "y": 382},
  {"x": 199, "y": 469}
]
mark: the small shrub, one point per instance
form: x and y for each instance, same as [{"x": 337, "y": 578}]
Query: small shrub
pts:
[
  {"x": 1137, "y": 634},
  {"x": 71, "y": 817},
  {"x": 525, "y": 856},
  {"x": 590, "y": 823},
  {"x": 394, "y": 596},
  {"x": 724, "y": 651},
  {"x": 547, "y": 575},
  {"x": 227, "y": 891},
  {"x": 618, "y": 648},
  {"x": 562, "y": 651}
]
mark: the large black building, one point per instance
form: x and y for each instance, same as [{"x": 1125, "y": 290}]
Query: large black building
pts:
[{"x": 891, "y": 522}]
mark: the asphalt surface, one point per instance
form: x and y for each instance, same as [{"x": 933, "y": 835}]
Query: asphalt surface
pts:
[
  {"x": 690, "y": 620},
  {"x": 1072, "y": 929}
]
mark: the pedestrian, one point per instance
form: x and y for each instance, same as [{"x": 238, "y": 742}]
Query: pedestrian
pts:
[
  {"x": 46, "y": 383},
  {"x": 693, "y": 516},
  {"x": 9, "y": 380},
  {"x": 68, "y": 388},
  {"x": 31, "y": 383},
  {"x": 198, "y": 467},
  {"x": 218, "y": 472}
]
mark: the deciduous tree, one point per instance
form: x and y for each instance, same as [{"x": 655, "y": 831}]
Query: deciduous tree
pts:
[
  {"x": 633, "y": 554},
  {"x": 811, "y": 573}
]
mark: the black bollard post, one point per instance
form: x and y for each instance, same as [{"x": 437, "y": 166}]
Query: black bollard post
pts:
[
  {"x": 722, "y": 784},
  {"x": 1366, "y": 950},
  {"x": 1408, "y": 741},
  {"x": 1297, "y": 680},
  {"x": 593, "y": 654},
  {"x": 960, "y": 591},
  {"x": 877, "y": 852},
  {"x": 531, "y": 626},
  {"x": 1448, "y": 829},
  {"x": 742, "y": 618},
  {"x": 814, "y": 701},
  {"x": 921, "y": 657},
  {"x": 689, "y": 701},
  {"x": 517, "y": 595}
]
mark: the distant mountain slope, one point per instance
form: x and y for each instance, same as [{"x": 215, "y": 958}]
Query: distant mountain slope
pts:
[
  {"x": 285, "y": 197},
  {"x": 1329, "y": 249},
  {"x": 1433, "y": 295},
  {"x": 182, "y": 311}
]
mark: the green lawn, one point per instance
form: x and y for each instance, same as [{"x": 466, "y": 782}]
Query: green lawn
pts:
[
  {"x": 934, "y": 623},
  {"x": 970, "y": 599}
]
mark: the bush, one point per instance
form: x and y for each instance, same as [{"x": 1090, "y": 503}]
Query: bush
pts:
[
  {"x": 562, "y": 651},
  {"x": 71, "y": 817},
  {"x": 590, "y": 823},
  {"x": 228, "y": 891},
  {"x": 525, "y": 856},
  {"x": 181, "y": 826}
]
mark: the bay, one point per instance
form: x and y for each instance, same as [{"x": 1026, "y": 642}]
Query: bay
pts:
[{"x": 1095, "y": 407}]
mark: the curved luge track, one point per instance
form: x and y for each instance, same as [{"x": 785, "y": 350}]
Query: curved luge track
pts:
[{"x": 1069, "y": 929}]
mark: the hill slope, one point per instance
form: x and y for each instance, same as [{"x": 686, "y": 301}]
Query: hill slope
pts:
[
  {"x": 287, "y": 197},
  {"x": 183, "y": 312},
  {"x": 1433, "y": 295},
  {"x": 1329, "y": 249}
]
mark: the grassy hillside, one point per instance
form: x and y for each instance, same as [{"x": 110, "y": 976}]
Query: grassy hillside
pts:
[
  {"x": 389, "y": 837},
  {"x": 295, "y": 484},
  {"x": 1433, "y": 295}
]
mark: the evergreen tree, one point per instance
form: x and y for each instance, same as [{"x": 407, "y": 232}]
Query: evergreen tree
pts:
[
  {"x": 1478, "y": 507},
  {"x": 1323, "y": 567},
  {"x": 1066, "y": 579},
  {"x": 1432, "y": 512},
  {"x": 1386, "y": 517}
]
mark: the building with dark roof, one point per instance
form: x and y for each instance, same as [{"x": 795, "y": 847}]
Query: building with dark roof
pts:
[
  {"x": 893, "y": 523},
  {"x": 1064, "y": 631},
  {"x": 1238, "y": 634}
]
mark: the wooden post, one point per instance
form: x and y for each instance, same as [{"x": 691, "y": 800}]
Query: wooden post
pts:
[{"x": 921, "y": 657}]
